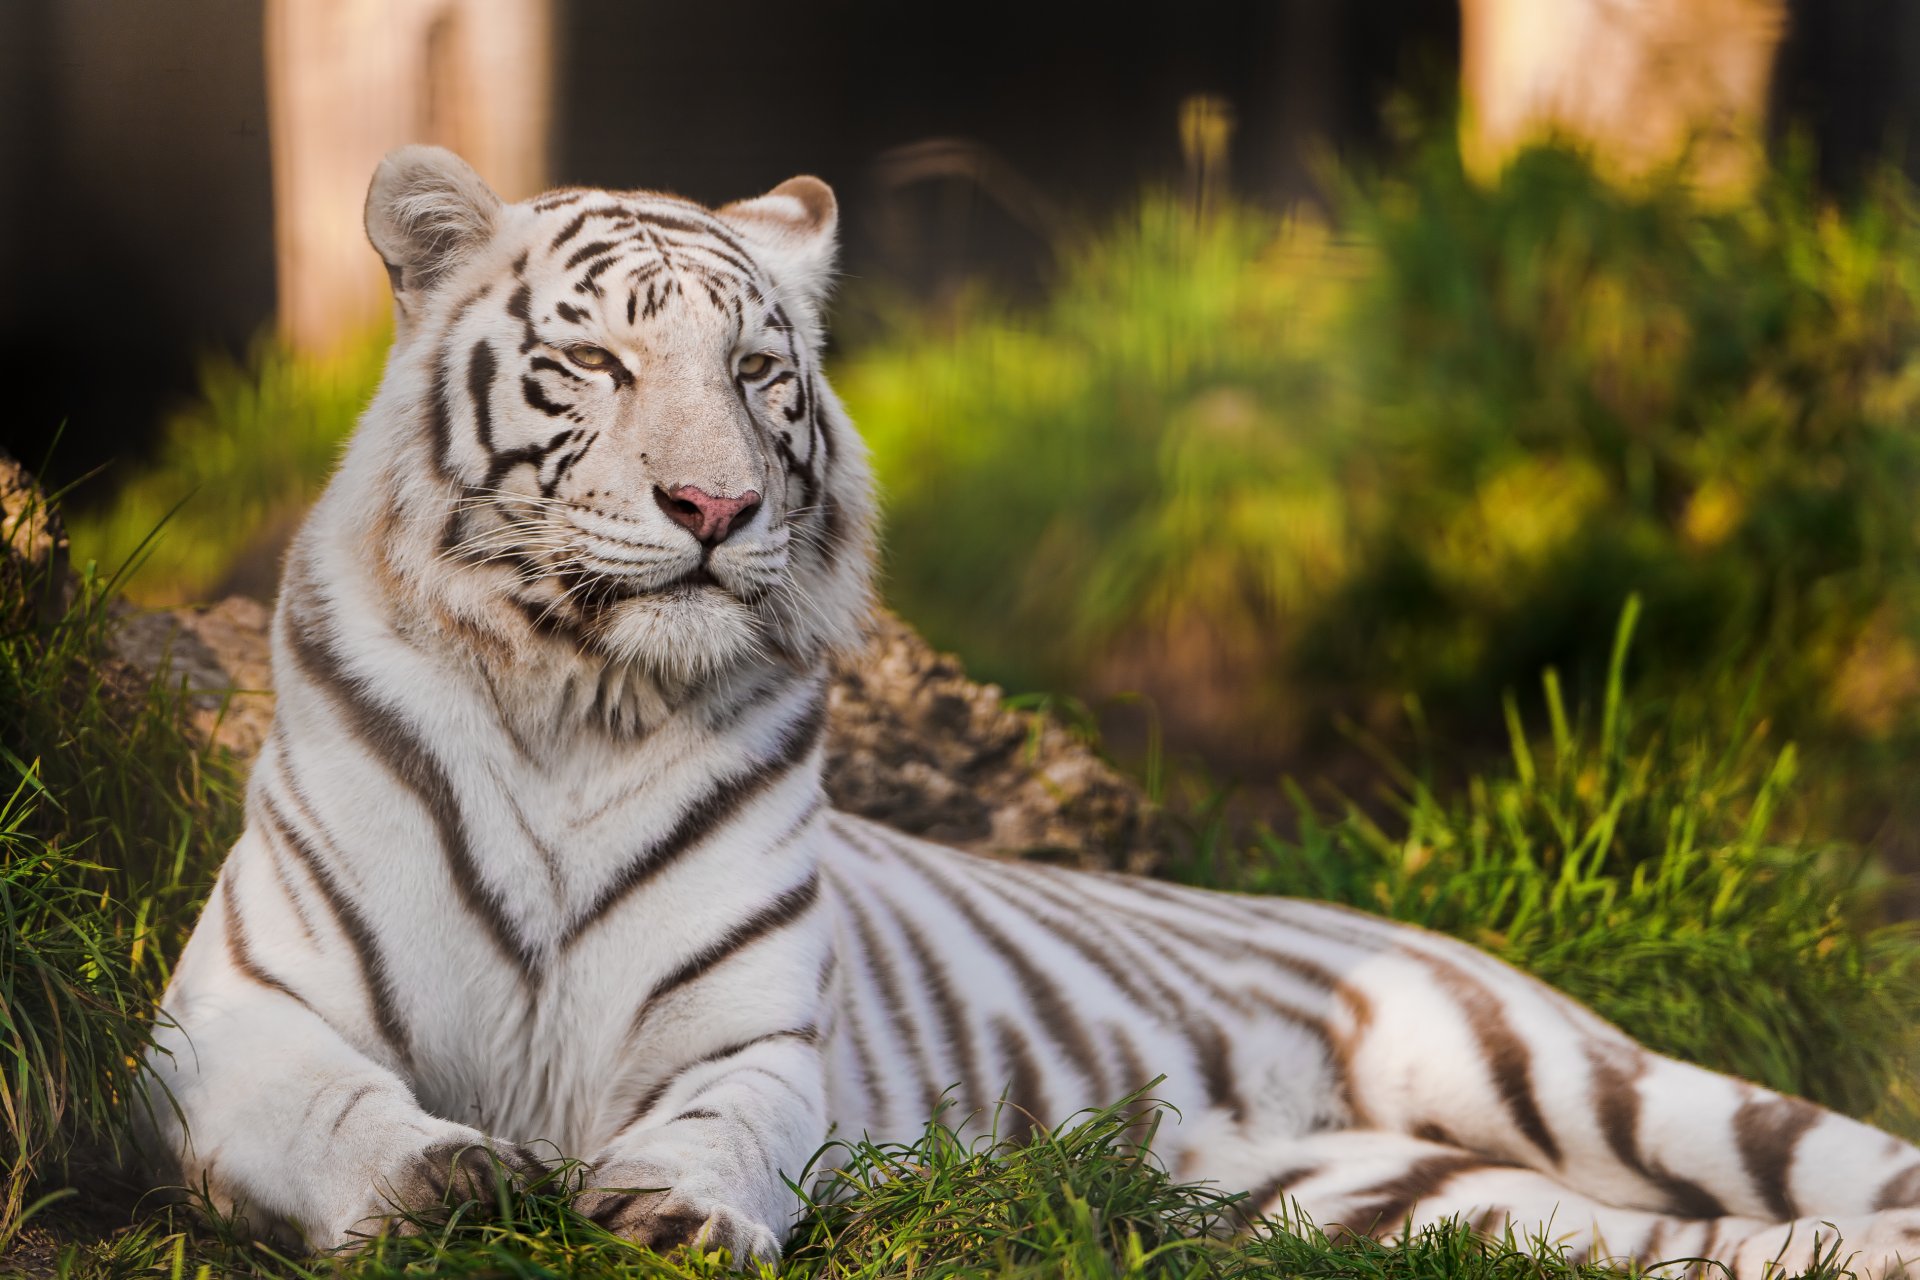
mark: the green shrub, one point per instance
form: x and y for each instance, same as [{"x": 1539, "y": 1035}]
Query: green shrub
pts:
[{"x": 1275, "y": 478}]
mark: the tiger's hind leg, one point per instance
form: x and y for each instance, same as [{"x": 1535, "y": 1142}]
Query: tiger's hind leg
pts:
[
  {"x": 1376, "y": 1183},
  {"x": 1452, "y": 1046}
]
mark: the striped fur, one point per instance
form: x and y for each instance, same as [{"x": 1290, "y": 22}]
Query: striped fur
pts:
[{"x": 537, "y": 855}]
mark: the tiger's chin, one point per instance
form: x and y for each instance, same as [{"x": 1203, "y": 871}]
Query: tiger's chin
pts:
[{"x": 685, "y": 634}]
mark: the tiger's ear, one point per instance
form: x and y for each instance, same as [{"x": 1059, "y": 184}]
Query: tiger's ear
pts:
[
  {"x": 426, "y": 210},
  {"x": 793, "y": 227}
]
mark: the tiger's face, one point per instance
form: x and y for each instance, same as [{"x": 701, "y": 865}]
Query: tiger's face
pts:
[{"x": 626, "y": 410}]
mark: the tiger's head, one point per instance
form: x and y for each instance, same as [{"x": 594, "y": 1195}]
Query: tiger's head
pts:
[{"x": 615, "y": 417}]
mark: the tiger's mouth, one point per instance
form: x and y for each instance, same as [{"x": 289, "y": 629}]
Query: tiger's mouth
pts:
[
  {"x": 603, "y": 590},
  {"x": 698, "y": 576}
]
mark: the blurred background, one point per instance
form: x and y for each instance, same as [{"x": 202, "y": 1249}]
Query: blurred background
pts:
[{"x": 1268, "y": 384}]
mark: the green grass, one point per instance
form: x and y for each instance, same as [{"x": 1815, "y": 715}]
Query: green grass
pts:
[
  {"x": 1082, "y": 1203},
  {"x": 112, "y": 823}
]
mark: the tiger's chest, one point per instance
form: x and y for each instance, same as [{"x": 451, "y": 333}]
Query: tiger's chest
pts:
[{"x": 578, "y": 885}]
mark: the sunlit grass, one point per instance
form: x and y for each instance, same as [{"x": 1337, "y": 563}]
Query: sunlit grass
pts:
[{"x": 233, "y": 471}]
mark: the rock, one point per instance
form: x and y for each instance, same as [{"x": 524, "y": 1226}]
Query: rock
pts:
[
  {"x": 223, "y": 656},
  {"x": 915, "y": 744},
  {"x": 33, "y": 544},
  {"x": 911, "y": 741}
]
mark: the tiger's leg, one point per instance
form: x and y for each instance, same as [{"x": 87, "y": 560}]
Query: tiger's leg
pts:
[
  {"x": 726, "y": 1097},
  {"x": 1368, "y": 1182},
  {"x": 262, "y": 1103},
  {"x": 705, "y": 1157},
  {"x": 1459, "y": 1048}
]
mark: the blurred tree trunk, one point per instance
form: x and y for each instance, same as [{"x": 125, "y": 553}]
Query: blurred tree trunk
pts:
[
  {"x": 349, "y": 79},
  {"x": 1643, "y": 83}
]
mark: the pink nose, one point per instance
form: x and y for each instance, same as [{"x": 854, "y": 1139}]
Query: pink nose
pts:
[{"x": 710, "y": 519}]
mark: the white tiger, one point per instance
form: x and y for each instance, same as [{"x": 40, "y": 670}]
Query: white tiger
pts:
[{"x": 537, "y": 855}]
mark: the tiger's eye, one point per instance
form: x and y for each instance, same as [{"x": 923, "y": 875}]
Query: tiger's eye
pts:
[
  {"x": 591, "y": 357},
  {"x": 754, "y": 365}
]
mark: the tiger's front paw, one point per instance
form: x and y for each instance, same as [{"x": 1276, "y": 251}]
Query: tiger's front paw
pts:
[
  {"x": 640, "y": 1205},
  {"x": 450, "y": 1173}
]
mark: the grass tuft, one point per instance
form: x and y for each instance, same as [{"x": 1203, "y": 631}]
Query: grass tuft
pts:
[{"x": 112, "y": 824}]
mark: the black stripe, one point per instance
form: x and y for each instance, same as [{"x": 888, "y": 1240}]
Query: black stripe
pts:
[
  {"x": 651, "y": 1098},
  {"x": 1901, "y": 1191},
  {"x": 1023, "y": 1106},
  {"x": 880, "y": 963},
  {"x": 774, "y": 916},
  {"x": 287, "y": 888},
  {"x": 536, "y": 398},
  {"x": 706, "y": 815},
  {"x": 358, "y": 1096},
  {"x": 240, "y": 952},
  {"x": 410, "y": 762},
  {"x": 440, "y": 415},
  {"x": 1136, "y": 1078},
  {"x": 1390, "y": 1202},
  {"x": 547, "y": 364},
  {"x": 667, "y": 222},
  {"x": 519, "y": 306},
  {"x": 481, "y": 367},
  {"x": 1214, "y": 1054},
  {"x": 1769, "y": 1128},
  {"x": 585, "y": 284},
  {"x": 871, "y": 1078},
  {"x": 1509, "y": 1061},
  {"x": 953, "y": 1019},
  {"x": 572, "y": 228},
  {"x": 591, "y": 250},
  {"x": 1251, "y": 1210},
  {"x": 373, "y": 968},
  {"x": 1616, "y": 1096},
  {"x": 1054, "y": 1012}
]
